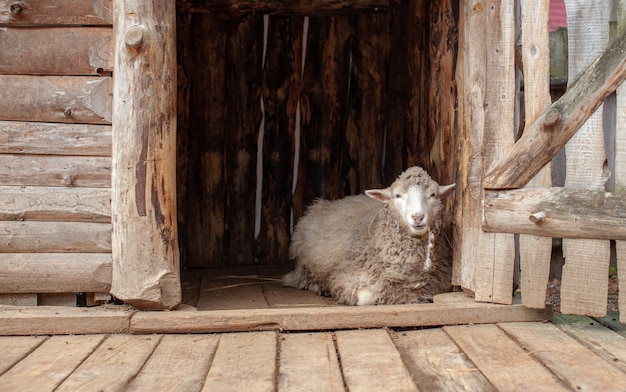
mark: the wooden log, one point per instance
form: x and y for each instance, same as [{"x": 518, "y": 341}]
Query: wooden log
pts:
[
  {"x": 202, "y": 214},
  {"x": 146, "y": 270},
  {"x": 55, "y": 139},
  {"x": 76, "y": 99},
  {"x": 54, "y": 272},
  {"x": 281, "y": 91},
  {"x": 56, "y": 50},
  {"x": 361, "y": 167},
  {"x": 239, "y": 8},
  {"x": 49, "y": 170},
  {"x": 535, "y": 251},
  {"x": 556, "y": 212},
  {"x": 323, "y": 102},
  {"x": 556, "y": 125},
  {"x": 244, "y": 51},
  {"x": 59, "y": 12},
  {"x": 584, "y": 282},
  {"x": 54, "y": 237}
]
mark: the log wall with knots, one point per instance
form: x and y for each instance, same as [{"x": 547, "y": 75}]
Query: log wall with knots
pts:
[
  {"x": 55, "y": 148},
  {"x": 303, "y": 105}
]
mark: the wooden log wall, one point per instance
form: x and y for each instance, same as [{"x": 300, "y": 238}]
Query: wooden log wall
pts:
[
  {"x": 278, "y": 109},
  {"x": 55, "y": 147}
]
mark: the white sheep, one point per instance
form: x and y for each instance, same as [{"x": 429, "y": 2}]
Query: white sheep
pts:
[{"x": 362, "y": 252}]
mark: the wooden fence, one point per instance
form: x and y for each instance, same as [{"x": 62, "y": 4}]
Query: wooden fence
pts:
[{"x": 592, "y": 134}]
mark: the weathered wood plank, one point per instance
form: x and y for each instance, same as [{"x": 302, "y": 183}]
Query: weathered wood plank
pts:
[
  {"x": 202, "y": 212},
  {"x": 33, "y": 203},
  {"x": 332, "y": 317},
  {"x": 15, "y": 348},
  {"x": 483, "y": 262},
  {"x": 437, "y": 364},
  {"x": 606, "y": 343},
  {"x": 620, "y": 167},
  {"x": 505, "y": 364},
  {"x": 244, "y": 362},
  {"x": 42, "y": 320},
  {"x": 323, "y": 114},
  {"x": 558, "y": 212},
  {"x": 556, "y": 125},
  {"x": 56, "y": 50},
  {"x": 238, "y": 8},
  {"x": 308, "y": 362},
  {"x": 280, "y": 91},
  {"x": 362, "y": 152},
  {"x": 584, "y": 283},
  {"x": 19, "y": 299},
  {"x": 238, "y": 290},
  {"x": 54, "y": 237},
  {"x": 471, "y": 83},
  {"x": 244, "y": 51},
  {"x": 373, "y": 366},
  {"x": 46, "y": 367},
  {"x": 59, "y": 12},
  {"x": 146, "y": 271},
  {"x": 567, "y": 358},
  {"x": 55, "y": 139},
  {"x": 75, "y": 99},
  {"x": 50, "y": 170},
  {"x": 122, "y": 356},
  {"x": 179, "y": 363},
  {"x": 535, "y": 251},
  {"x": 495, "y": 259},
  {"x": 54, "y": 273}
]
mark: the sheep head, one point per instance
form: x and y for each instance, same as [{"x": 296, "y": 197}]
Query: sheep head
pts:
[{"x": 415, "y": 200}]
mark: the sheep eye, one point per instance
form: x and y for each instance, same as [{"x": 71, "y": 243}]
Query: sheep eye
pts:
[
  {"x": 432, "y": 195},
  {"x": 398, "y": 196}
]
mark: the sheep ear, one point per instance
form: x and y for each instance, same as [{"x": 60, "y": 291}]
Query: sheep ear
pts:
[
  {"x": 383, "y": 195},
  {"x": 445, "y": 190}
]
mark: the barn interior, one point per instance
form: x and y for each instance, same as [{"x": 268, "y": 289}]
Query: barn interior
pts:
[{"x": 282, "y": 104}]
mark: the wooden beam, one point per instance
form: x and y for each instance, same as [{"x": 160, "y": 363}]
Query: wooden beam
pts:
[
  {"x": 34, "y": 320},
  {"x": 239, "y": 8},
  {"x": 557, "y": 124},
  {"x": 146, "y": 271},
  {"x": 334, "y": 317},
  {"x": 54, "y": 272},
  {"x": 556, "y": 212}
]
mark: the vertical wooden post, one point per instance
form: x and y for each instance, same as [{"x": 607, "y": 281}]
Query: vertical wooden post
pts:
[
  {"x": 484, "y": 262},
  {"x": 535, "y": 251},
  {"x": 145, "y": 245},
  {"x": 620, "y": 167},
  {"x": 584, "y": 285}
]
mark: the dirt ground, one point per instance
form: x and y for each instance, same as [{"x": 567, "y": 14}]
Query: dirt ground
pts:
[{"x": 553, "y": 295}]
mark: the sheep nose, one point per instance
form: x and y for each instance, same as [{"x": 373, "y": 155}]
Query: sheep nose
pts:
[{"x": 417, "y": 218}]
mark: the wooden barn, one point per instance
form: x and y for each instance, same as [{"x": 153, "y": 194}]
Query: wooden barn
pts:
[
  {"x": 145, "y": 142},
  {"x": 155, "y": 155}
]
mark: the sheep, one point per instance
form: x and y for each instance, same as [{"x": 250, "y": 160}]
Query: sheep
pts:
[{"x": 364, "y": 252}]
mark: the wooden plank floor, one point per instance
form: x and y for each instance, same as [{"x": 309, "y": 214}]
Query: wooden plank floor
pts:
[{"x": 569, "y": 353}]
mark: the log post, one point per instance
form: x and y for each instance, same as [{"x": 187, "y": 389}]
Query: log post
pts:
[{"x": 144, "y": 243}]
